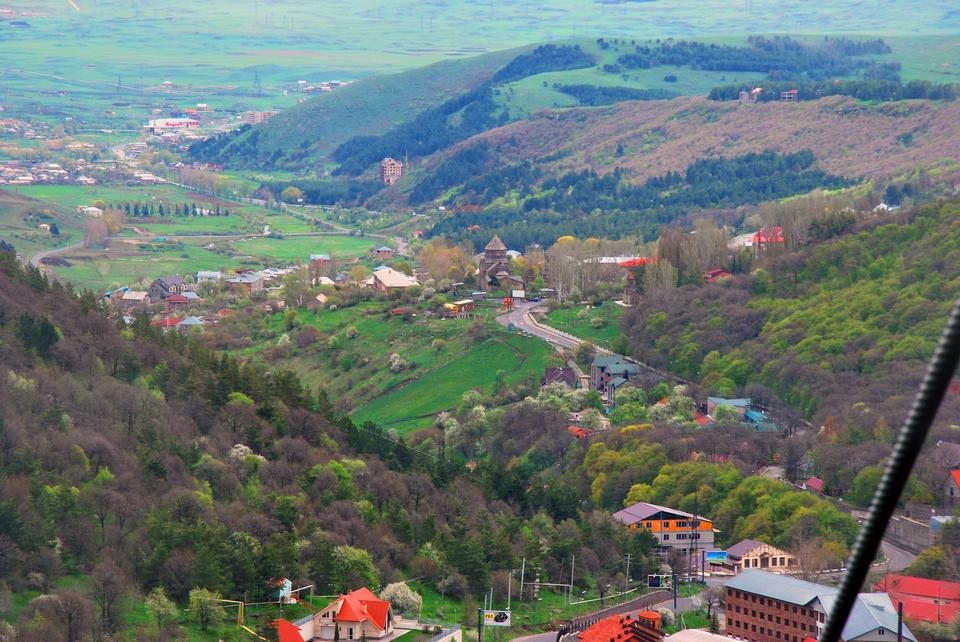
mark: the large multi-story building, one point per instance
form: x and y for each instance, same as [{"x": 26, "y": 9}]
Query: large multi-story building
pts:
[
  {"x": 673, "y": 528},
  {"x": 390, "y": 170},
  {"x": 257, "y": 117},
  {"x": 765, "y": 607}
]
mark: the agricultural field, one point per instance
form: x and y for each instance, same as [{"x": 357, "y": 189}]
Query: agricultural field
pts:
[
  {"x": 104, "y": 63},
  {"x": 20, "y": 217},
  {"x": 152, "y": 246}
]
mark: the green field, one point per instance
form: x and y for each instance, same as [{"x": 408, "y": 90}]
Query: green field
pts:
[
  {"x": 442, "y": 386},
  {"x": 103, "y": 63},
  {"x": 19, "y": 220},
  {"x": 357, "y": 370},
  {"x": 294, "y": 248},
  {"x": 567, "y": 319}
]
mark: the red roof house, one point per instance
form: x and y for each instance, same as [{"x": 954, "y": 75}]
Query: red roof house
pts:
[
  {"x": 715, "y": 274},
  {"x": 624, "y": 628},
  {"x": 934, "y": 601},
  {"x": 358, "y": 613},
  {"x": 815, "y": 484},
  {"x": 288, "y": 631},
  {"x": 169, "y": 322},
  {"x": 580, "y": 433},
  {"x": 768, "y": 236},
  {"x": 632, "y": 263}
]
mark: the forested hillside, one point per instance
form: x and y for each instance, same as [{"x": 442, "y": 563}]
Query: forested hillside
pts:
[
  {"x": 841, "y": 330},
  {"x": 135, "y": 462},
  {"x": 586, "y": 204}
]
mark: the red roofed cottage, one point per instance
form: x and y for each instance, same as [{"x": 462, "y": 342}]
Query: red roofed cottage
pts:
[{"x": 359, "y": 613}]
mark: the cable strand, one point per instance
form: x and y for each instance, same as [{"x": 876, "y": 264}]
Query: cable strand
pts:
[{"x": 909, "y": 442}]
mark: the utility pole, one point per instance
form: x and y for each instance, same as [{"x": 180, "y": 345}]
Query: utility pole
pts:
[
  {"x": 523, "y": 567},
  {"x": 626, "y": 582},
  {"x": 509, "y": 588},
  {"x": 573, "y": 561},
  {"x": 479, "y": 625},
  {"x": 900, "y": 621},
  {"x": 673, "y": 572}
]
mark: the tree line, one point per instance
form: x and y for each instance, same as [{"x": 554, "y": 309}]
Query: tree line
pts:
[
  {"x": 779, "y": 57},
  {"x": 880, "y": 90},
  {"x": 138, "y": 209},
  {"x": 589, "y": 204},
  {"x": 593, "y": 95}
]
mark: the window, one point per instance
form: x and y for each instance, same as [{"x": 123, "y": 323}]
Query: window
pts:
[
  {"x": 778, "y": 635},
  {"x": 753, "y": 613},
  {"x": 880, "y": 631},
  {"x": 778, "y": 619},
  {"x": 753, "y": 627},
  {"x": 350, "y": 633},
  {"x": 666, "y": 537}
]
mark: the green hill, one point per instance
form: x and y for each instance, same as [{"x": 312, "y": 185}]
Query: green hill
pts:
[{"x": 302, "y": 136}]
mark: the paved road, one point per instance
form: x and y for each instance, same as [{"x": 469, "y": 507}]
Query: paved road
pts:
[
  {"x": 521, "y": 318},
  {"x": 899, "y": 558}
]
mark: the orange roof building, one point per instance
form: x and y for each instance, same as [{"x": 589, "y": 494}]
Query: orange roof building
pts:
[
  {"x": 359, "y": 613},
  {"x": 623, "y": 628}
]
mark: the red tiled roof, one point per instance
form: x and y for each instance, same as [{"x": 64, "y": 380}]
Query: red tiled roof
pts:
[
  {"x": 169, "y": 322},
  {"x": 923, "y": 599},
  {"x": 815, "y": 483},
  {"x": 362, "y": 604},
  {"x": 636, "y": 262},
  {"x": 177, "y": 298},
  {"x": 955, "y": 475},
  {"x": 287, "y": 631},
  {"x": 769, "y": 235},
  {"x": 579, "y": 432},
  {"x": 622, "y": 628},
  {"x": 701, "y": 418}
]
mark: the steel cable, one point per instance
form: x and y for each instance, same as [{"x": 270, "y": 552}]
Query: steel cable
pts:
[{"x": 909, "y": 442}]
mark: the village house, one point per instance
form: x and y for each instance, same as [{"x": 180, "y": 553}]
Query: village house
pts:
[
  {"x": 740, "y": 406},
  {"x": 177, "y": 301},
  {"x": 209, "y": 275},
  {"x": 358, "y": 614},
  {"x": 564, "y": 376},
  {"x": 245, "y": 283},
  {"x": 165, "y": 287},
  {"x": 765, "y": 607},
  {"x": 951, "y": 489},
  {"x": 390, "y": 170},
  {"x": 389, "y": 280},
  {"x": 934, "y": 601},
  {"x": 320, "y": 261},
  {"x": 134, "y": 298},
  {"x": 461, "y": 309},
  {"x": 383, "y": 253},
  {"x": 609, "y": 372},
  {"x": 674, "y": 529},
  {"x": 89, "y": 210},
  {"x": 752, "y": 553}
]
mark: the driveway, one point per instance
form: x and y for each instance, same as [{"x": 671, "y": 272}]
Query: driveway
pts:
[{"x": 520, "y": 318}]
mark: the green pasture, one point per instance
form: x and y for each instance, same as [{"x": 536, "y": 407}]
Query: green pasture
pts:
[
  {"x": 103, "y": 63},
  {"x": 504, "y": 359},
  {"x": 294, "y": 248},
  {"x": 567, "y": 320},
  {"x": 103, "y": 269},
  {"x": 19, "y": 218}
]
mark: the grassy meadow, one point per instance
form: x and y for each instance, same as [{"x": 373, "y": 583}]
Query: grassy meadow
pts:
[
  {"x": 103, "y": 62},
  {"x": 568, "y": 320},
  {"x": 357, "y": 370}
]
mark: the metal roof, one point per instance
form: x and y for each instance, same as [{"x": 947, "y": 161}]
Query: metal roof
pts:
[
  {"x": 779, "y": 587},
  {"x": 871, "y": 611},
  {"x": 644, "y": 510}
]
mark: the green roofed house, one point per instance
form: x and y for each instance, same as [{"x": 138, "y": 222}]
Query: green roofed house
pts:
[
  {"x": 741, "y": 406},
  {"x": 607, "y": 373}
]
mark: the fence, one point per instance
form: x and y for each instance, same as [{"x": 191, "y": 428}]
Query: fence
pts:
[{"x": 642, "y": 602}]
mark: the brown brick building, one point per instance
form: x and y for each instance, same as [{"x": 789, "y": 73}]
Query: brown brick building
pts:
[
  {"x": 390, "y": 170},
  {"x": 765, "y": 607}
]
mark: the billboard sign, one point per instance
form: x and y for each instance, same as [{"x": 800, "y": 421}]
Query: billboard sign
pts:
[
  {"x": 496, "y": 618},
  {"x": 715, "y": 556}
]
